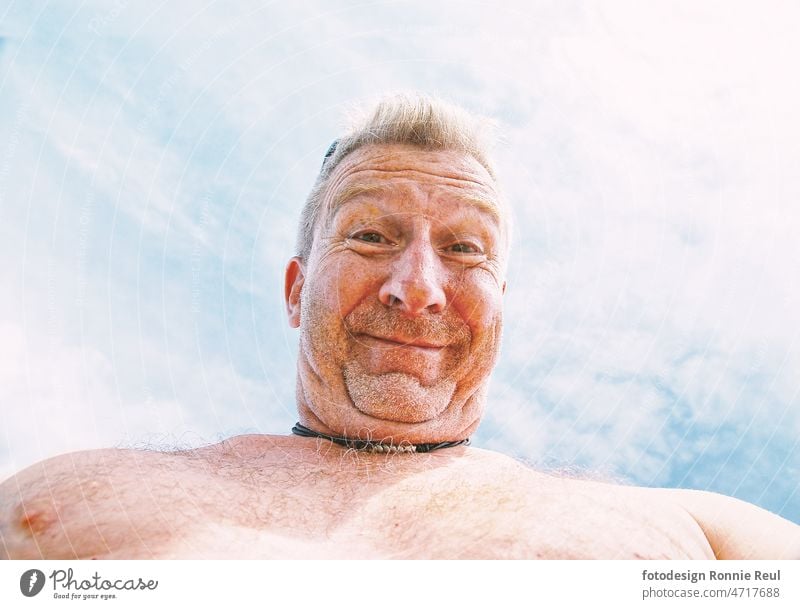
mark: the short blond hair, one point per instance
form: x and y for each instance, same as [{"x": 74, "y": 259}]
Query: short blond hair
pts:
[{"x": 413, "y": 119}]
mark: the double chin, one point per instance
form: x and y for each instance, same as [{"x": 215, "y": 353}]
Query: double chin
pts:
[
  {"x": 393, "y": 406},
  {"x": 349, "y": 387},
  {"x": 396, "y": 396}
]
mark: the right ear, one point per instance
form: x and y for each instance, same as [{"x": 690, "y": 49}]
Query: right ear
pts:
[{"x": 293, "y": 289}]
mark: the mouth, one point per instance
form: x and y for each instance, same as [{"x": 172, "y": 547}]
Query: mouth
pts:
[{"x": 393, "y": 342}]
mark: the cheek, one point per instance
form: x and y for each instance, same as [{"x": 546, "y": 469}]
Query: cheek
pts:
[
  {"x": 478, "y": 302},
  {"x": 343, "y": 284}
]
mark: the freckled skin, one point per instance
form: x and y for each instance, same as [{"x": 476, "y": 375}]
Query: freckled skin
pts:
[{"x": 411, "y": 262}]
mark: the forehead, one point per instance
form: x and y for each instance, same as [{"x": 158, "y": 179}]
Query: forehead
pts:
[{"x": 384, "y": 169}]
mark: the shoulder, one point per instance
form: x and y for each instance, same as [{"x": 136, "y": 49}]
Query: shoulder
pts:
[
  {"x": 243, "y": 446},
  {"x": 119, "y": 502},
  {"x": 736, "y": 529},
  {"x": 77, "y": 505},
  {"x": 76, "y": 471},
  {"x": 89, "y": 467},
  {"x": 733, "y": 529}
]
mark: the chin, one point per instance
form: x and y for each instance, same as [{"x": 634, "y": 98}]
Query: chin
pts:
[{"x": 396, "y": 397}]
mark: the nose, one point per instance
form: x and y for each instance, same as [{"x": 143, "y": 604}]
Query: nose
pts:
[{"x": 415, "y": 284}]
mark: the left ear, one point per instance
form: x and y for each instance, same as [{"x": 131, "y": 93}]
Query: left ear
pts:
[{"x": 293, "y": 289}]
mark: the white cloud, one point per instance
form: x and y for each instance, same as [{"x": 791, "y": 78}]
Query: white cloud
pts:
[
  {"x": 59, "y": 398},
  {"x": 652, "y": 155}
]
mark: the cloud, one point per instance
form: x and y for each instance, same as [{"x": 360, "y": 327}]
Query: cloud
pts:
[
  {"x": 60, "y": 398},
  {"x": 158, "y": 158}
]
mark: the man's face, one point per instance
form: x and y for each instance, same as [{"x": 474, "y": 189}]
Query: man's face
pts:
[{"x": 399, "y": 303}]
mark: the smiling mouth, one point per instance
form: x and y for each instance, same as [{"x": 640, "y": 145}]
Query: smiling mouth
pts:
[{"x": 393, "y": 343}]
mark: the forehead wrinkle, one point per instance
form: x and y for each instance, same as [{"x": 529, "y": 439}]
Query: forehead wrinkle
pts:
[
  {"x": 350, "y": 192},
  {"x": 404, "y": 171},
  {"x": 371, "y": 169},
  {"x": 451, "y": 164},
  {"x": 483, "y": 203}
]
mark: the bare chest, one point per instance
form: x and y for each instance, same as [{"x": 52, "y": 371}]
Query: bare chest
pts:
[
  {"x": 288, "y": 498},
  {"x": 472, "y": 508}
]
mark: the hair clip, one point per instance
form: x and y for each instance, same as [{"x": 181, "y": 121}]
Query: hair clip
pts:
[{"x": 331, "y": 150}]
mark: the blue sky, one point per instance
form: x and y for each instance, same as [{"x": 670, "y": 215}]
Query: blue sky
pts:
[{"x": 154, "y": 158}]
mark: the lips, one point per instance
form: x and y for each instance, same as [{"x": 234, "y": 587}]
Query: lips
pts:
[
  {"x": 399, "y": 341},
  {"x": 378, "y": 327}
]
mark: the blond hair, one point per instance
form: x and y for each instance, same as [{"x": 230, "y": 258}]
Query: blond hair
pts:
[{"x": 414, "y": 119}]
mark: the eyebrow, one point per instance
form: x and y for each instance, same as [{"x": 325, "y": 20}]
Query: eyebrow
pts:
[{"x": 485, "y": 204}]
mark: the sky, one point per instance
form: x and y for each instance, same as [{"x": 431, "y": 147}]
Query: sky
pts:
[{"x": 154, "y": 157}]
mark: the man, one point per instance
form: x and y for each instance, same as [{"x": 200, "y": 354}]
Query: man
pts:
[{"x": 397, "y": 291}]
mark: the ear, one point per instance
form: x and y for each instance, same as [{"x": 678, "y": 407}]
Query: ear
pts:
[
  {"x": 293, "y": 289},
  {"x": 504, "y": 288}
]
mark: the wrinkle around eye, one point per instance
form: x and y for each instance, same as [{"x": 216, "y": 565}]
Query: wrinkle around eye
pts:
[
  {"x": 358, "y": 242},
  {"x": 362, "y": 238},
  {"x": 486, "y": 263},
  {"x": 477, "y": 250},
  {"x": 468, "y": 259},
  {"x": 493, "y": 266},
  {"x": 333, "y": 245}
]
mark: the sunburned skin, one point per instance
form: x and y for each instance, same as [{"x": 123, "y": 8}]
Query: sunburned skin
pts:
[
  {"x": 289, "y": 497},
  {"x": 399, "y": 304}
]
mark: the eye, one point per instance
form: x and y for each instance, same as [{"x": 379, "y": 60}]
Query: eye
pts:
[
  {"x": 371, "y": 237},
  {"x": 465, "y": 248}
]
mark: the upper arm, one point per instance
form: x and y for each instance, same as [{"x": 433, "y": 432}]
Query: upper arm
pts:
[{"x": 740, "y": 530}]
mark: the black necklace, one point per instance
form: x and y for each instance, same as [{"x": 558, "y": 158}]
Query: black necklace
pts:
[{"x": 375, "y": 447}]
